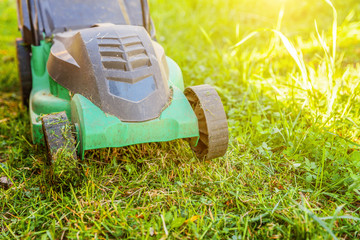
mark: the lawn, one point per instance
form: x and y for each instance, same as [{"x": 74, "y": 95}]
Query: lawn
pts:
[{"x": 288, "y": 74}]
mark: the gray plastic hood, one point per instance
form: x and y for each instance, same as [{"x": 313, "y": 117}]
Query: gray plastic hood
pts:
[{"x": 118, "y": 68}]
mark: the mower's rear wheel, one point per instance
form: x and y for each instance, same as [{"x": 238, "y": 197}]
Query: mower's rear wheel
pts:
[
  {"x": 58, "y": 136},
  {"x": 212, "y": 122},
  {"x": 24, "y": 68}
]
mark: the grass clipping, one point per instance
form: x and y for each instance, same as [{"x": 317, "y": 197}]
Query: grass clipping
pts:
[{"x": 64, "y": 171}]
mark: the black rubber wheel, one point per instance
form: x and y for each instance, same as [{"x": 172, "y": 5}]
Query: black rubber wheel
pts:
[
  {"x": 212, "y": 122},
  {"x": 23, "y": 57},
  {"x": 59, "y": 139},
  {"x": 61, "y": 150}
]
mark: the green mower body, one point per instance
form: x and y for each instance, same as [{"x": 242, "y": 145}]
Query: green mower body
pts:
[
  {"x": 110, "y": 81},
  {"x": 96, "y": 129}
]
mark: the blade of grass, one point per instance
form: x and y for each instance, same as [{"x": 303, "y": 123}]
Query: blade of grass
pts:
[
  {"x": 297, "y": 58},
  {"x": 317, "y": 219}
]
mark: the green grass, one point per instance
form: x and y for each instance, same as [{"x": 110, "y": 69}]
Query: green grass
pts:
[{"x": 292, "y": 167}]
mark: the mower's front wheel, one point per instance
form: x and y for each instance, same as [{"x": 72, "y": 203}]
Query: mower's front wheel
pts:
[
  {"x": 212, "y": 122},
  {"x": 58, "y": 136},
  {"x": 61, "y": 149}
]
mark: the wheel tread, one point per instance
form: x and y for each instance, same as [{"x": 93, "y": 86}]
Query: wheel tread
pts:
[
  {"x": 212, "y": 121},
  {"x": 58, "y": 135}
]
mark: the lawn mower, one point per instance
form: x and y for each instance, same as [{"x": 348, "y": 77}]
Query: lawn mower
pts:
[{"x": 93, "y": 76}]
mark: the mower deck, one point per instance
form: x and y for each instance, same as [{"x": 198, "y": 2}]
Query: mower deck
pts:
[{"x": 97, "y": 129}]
